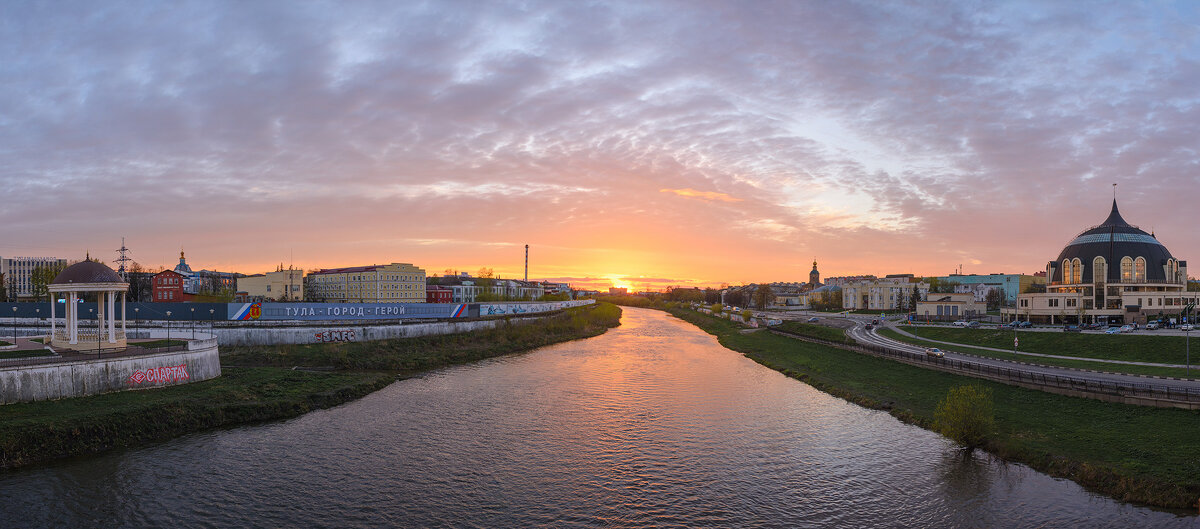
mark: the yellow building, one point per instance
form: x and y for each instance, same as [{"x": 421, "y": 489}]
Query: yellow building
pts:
[
  {"x": 393, "y": 283},
  {"x": 282, "y": 285}
]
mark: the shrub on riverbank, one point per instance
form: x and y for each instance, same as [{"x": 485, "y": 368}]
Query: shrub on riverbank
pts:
[
  {"x": 819, "y": 332},
  {"x": 427, "y": 352},
  {"x": 1131, "y": 453},
  {"x": 965, "y": 416}
]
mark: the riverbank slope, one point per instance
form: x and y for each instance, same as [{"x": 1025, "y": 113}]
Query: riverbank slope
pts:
[
  {"x": 1131, "y": 453},
  {"x": 266, "y": 383}
]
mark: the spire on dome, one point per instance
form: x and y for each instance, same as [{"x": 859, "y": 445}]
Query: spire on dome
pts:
[{"x": 1114, "y": 218}]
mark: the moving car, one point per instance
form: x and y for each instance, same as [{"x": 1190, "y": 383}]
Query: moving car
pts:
[
  {"x": 870, "y": 326},
  {"x": 1112, "y": 330},
  {"x": 1025, "y": 324},
  {"x": 934, "y": 351},
  {"x": 960, "y": 323},
  {"x": 1186, "y": 327},
  {"x": 814, "y": 319}
]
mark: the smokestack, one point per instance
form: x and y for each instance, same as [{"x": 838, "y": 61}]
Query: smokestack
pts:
[{"x": 527, "y": 262}]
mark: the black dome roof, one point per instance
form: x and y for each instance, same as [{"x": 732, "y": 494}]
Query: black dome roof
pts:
[
  {"x": 1113, "y": 240},
  {"x": 87, "y": 272}
]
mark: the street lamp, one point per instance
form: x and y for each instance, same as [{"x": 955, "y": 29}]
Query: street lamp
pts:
[
  {"x": 193, "y": 323},
  {"x": 211, "y": 332},
  {"x": 136, "y": 321},
  {"x": 37, "y": 329},
  {"x": 14, "y": 324},
  {"x": 168, "y": 328},
  {"x": 1187, "y": 344}
]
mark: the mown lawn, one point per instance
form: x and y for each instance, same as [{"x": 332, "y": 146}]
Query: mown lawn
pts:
[{"x": 1138, "y": 348}]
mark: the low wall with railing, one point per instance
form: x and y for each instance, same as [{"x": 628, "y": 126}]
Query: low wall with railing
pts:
[
  {"x": 1142, "y": 394},
  {"x": 56, "y": 379}
]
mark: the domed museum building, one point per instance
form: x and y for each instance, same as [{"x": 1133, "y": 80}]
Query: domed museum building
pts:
[{"x": 1111, "y": 273}]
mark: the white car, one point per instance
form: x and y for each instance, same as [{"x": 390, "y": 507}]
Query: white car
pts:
[
  {"x": 961, "y": 323},
  {"x": 1186, "y": 327},
  {"x": 934, "y": 351}
]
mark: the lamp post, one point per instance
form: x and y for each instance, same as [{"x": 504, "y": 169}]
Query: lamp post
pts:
[
  {"x": 136, "y": 321},
  {"x": 14, "y": 324},
  {"x": 1187, "y": 344},
  {"x": 193, "y": 309},
  {"x": 97, "y": 331},
  {"x": 37, "y": 329},
  {"x": 168, "y": 328},
  {"x": 211, "y": 332}
]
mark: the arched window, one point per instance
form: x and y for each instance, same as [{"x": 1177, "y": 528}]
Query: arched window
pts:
[
  {"x": 1076, "y": 271},
  {"x": 1126, "y": 269},
  {"x": 1066, "y": 272},
  {"x": 1099, "y": 270},
  {"x": 1139, "y": 270}
]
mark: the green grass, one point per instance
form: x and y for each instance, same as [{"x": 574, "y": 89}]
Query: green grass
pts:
[
  {"x": 4, "y": 343},
  {"x": 38, "y": 431},
  {"x": 1132, "y": 453},
  {"x": 258, "y": 384},
  {"x": 819, "y": 332},
  {"x": 27, "y": 353},
  {"x": 1136, "y": 348},
  {"x": 1081, "y": 364}
]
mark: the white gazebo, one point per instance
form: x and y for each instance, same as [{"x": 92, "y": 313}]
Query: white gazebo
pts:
[{"x": 88, "y": 276}]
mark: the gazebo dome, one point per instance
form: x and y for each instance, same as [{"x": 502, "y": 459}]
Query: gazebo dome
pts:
[
  {"x": 86, "y": 272},
  {"x": 1113, "y": 240}
]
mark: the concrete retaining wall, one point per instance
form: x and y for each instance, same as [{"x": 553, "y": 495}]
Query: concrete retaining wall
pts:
[
  {"x": 92, "y": 377},
  {"x": 350, "y": 333}
]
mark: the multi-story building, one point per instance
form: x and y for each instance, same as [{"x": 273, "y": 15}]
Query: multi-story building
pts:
[
  {"x": 280, "y": 285},
  {"x": 845, "y": 280},
  {"x": 467, "y": 289},
  {"x": 889, "y": 294},
  {"x": 18, "y": 274},
  {"x": 168, "y": 285},
  {"x": 1111, "y": 273},
  {"x": 979, "y": 285},
  {"x": 438, "y": 294},
  {"x": 391, "y": 283}
]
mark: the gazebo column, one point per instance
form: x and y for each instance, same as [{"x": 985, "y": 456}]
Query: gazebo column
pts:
[
  {"x": 123, "y": 318},
  {"x": 112, "y": 316},
  {"x": 99, "y": 317},
  {"x": 73, "y": 318},
  {"x": 53, "y": 302}
]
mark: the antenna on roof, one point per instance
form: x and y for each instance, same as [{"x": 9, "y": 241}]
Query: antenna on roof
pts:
[{"x": 1114, "y": 192}]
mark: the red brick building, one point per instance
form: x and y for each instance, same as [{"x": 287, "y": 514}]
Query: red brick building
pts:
[
  {"x": 168, "y": 286},
  {"x": 438, "y": 294}
]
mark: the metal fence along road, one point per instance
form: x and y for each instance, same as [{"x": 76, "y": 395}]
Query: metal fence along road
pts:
[{"x": 1158, "y": 394}]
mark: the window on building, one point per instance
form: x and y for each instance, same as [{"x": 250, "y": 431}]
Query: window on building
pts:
[
  {"x": 1126, "y": 269},
  {"x": 1098, "y": 270},
  {"x": 1139, "y": 270},
  {"x": 1076, "y": 271}
]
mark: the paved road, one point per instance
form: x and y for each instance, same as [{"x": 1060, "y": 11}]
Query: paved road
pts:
[{"x": 857, "y": 329}]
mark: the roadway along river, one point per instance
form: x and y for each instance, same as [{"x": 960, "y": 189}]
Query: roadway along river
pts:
[{"x": 650, "y": 425}]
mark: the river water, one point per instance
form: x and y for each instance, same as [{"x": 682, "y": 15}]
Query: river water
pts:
[{"x": 650, "y": 425}]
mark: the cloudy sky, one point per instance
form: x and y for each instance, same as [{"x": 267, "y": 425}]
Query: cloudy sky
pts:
[{"x": 644, "y": 143}]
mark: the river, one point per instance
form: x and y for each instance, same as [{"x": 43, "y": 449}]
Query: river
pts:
[{"x": 652, "y": 424}]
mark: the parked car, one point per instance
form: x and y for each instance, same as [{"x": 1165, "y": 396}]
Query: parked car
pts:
[
  {"x": 972, "y": 324},
  {"x": 814, "y": 319},
  {"x": 960, "y": 323},
  {"x": 1071, "y": 328},
  {"x": 1152, "y": 326},
  {"x": 1025, "y": 324},
  {"x": 934, "y": 351},
  {"x": 874, "y": 322},
  {"x": 1008, "y": 325},
  {"x": 1112, "y": 330},
  {"x": 1186, "y": 327},
  {"x": 1126, "y": 328}
]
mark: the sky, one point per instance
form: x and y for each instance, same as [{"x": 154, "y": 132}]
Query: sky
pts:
[{"x": 643, "y": 144}]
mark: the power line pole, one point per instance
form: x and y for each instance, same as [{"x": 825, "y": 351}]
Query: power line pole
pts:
[
  {"x": 527, "y": 262},
  {"x": 123, "y": 259}
]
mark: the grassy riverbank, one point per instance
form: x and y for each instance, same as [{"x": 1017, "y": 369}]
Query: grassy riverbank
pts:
[
  {"x": 1131, "y": 453},
  {"x": 259, "y": 384}
]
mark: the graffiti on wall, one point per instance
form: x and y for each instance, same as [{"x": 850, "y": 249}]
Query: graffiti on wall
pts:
[
  {"x": 158, "y": 375},
  {"x": 332, "y": 336}
]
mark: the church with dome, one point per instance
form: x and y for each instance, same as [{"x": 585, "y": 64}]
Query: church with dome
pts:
[{"x": 1111, "y": 273}]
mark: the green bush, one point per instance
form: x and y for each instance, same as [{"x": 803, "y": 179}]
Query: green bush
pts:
[{"x": 966, "y": 416}]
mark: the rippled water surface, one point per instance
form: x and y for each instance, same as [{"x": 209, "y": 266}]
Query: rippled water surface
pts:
[{"x": 650, "y": 425}]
